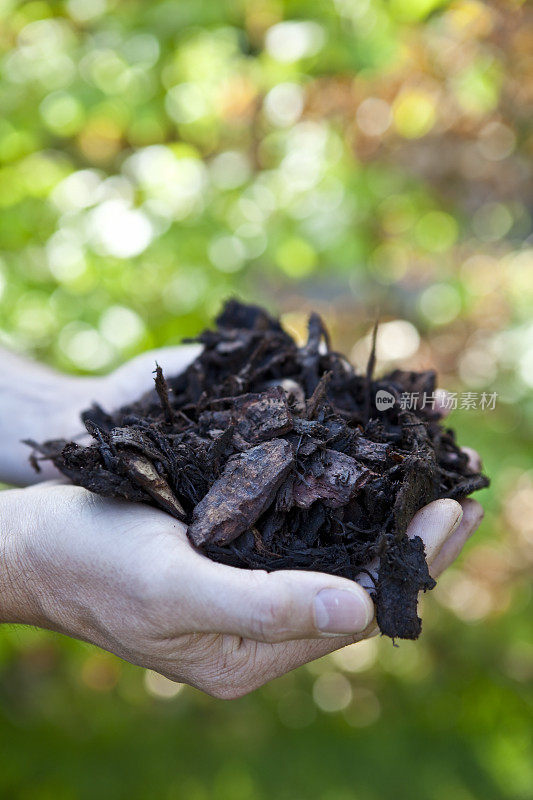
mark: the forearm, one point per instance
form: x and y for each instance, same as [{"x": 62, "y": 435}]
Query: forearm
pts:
[{"x": 38, "y": 403}]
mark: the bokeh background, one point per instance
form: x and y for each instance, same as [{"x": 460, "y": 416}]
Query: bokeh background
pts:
[{"x": 355, "y": 156}]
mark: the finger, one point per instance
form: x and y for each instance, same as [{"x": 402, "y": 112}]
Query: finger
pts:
[
  {"x": 135, "y": 377},
  {"x": 433, "y": 523},
  {"x": 284, "y": 605},
  {"x": 474, "y": 460},
  {"x": 234, "y": 667},
  {"x": 472, "y": 516},
  {"x": 268, "y": 607},
  {"x": 259, "y": 662},
  {"x": 250, "y": 664}
]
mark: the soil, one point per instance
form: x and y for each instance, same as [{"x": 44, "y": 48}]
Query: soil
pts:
[{"x": 276, "y": 457}]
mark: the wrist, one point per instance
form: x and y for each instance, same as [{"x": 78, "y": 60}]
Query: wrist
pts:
[
  {"x": 16, "y": 602},
  {"x": 41, "y": 582},
  {"x": 32, "y": 591}
]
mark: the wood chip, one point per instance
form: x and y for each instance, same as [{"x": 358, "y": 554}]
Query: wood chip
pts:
[
  {"x": 262, "y": 416},
  {"x": 341, "y": 478},
  {"x": 245, "y": 489},
  {"x": 145, "y": 475}
]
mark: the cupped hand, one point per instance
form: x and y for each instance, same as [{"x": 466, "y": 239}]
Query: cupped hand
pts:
[
  {"x": 39, "y": 403},
  {"x": 124, "y": 577}
]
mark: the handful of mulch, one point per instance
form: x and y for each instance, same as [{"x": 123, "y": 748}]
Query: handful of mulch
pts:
[{"x": 277, "y": 457}]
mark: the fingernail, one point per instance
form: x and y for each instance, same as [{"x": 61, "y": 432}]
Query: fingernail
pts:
[{"x": 340, "y": 611}]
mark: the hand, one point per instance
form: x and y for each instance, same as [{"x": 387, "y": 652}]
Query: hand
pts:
[
  {"x": 124, "y": 577},
  {"x": 38, "y": 403}
]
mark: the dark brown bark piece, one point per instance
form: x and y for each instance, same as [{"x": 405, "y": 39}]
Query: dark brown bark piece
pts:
[
  {"x": 83, "y": 465},
  {"x": 371, "y": 452},
  {"x": 241, "y": 494},
  {"x": 403, "y": 573},
  {"x": 162, "y": 390},
  {"x": 417, "y": 490},
  {"x": 136, "y": 440},
  {"x": 341, "y": 476},
  {"x": 257, "y": 417},
  {"x": 145, "y": 475}
]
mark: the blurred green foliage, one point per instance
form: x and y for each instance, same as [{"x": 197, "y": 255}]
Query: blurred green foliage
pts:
[{"x": 156, "y": 157}]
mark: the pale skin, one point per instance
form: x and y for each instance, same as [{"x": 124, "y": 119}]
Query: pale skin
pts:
[{"x": 123, "y": 576}]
